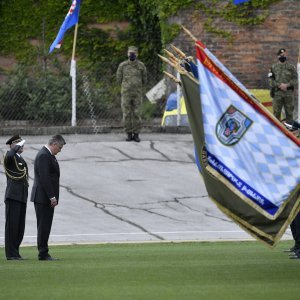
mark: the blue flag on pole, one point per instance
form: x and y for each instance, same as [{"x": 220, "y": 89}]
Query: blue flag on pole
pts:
[
  {"x": 70, "y": 20},
  {"x": 235, "y": 2}
]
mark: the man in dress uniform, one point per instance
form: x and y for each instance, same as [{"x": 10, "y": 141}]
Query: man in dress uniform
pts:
[
  {"x": 16, "y": 194},
  {"x": 132, "y": 75},
  {"x": 45, "y": 192}
]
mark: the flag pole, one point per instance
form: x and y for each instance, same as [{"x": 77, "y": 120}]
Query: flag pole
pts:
[
  {"x": 74, "y": 41},
  {"x": 73, "y": 75},
  {"x": 178, "y": 93}
]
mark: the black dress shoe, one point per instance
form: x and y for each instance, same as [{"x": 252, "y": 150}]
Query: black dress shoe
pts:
[
  {"x": 295, "y": 256},
  {"x": 291, "y": 250},
  {"x": 14, "y": 258},
  {"x": 22, "y": 258},
  {"x": 48, "y": 258}
]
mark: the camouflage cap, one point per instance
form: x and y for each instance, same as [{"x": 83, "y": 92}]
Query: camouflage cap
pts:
[
  {"x": 282, "y": 50},
  {"x": 132, "y": 49}
]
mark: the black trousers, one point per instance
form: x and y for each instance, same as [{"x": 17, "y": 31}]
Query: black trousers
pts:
[
  {"x": 295, "y": 228},
  {"x": 15, "y": 214},
  {"x": 44, "y": 216}
]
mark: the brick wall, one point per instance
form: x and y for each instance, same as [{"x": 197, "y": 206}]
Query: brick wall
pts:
[{"x": 254, "y": 48}]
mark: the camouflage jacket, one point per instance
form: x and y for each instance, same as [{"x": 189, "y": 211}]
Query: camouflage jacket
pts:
[
  {"x": 132, "y": 75},
  {"x": 283, "y": 73}
]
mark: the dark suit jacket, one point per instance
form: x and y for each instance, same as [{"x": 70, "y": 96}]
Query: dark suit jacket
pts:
[
  {"x": 46, "y": 177},
  {"x": 16, "y": 189}
]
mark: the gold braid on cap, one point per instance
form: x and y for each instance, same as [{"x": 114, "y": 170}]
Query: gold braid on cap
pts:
[{"x": 22, "y": 173}]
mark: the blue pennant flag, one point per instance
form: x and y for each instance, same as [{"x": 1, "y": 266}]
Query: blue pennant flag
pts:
[
  {"x": 70, "y": 20},
  {"x": 236, "y": 2}
]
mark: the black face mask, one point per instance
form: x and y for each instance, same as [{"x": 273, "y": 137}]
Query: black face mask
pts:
[
  {"x": 282, "y": 58},
  {"x": 132, "y": 56}
]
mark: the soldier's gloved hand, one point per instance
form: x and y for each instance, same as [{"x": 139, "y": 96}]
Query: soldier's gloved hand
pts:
[
  {"x": 21, "y": 143},
  {"x": 17, "y": 148}
]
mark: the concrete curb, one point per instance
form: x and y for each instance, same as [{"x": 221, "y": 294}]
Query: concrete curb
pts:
[{"x": 51, "y": 130}]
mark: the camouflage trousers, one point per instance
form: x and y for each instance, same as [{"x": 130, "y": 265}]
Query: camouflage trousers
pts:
[
  {"x": 131, "y": 105},
  {"x": 286, "y": 100}
]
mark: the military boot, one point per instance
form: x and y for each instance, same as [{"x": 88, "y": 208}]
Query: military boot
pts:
[
  {"x": 136, "y": 137},
  {"x": 129, "y": 137}
]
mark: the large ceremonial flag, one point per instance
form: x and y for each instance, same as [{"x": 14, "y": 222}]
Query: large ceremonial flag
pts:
[
  {"x": 249, "y": 162},
  {"x": 70, "y": 20}
]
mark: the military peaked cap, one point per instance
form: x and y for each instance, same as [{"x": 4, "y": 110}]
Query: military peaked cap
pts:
[{"x": 14, "y": 139}]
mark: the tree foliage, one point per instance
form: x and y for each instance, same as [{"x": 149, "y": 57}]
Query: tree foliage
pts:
[{"x": 29, "y": 27}]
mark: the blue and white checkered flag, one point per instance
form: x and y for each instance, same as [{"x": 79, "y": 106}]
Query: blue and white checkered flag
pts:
[{"x": 245, "y": 149}]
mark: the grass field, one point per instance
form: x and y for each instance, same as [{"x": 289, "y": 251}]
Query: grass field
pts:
[{"x": 222, "y": 270}]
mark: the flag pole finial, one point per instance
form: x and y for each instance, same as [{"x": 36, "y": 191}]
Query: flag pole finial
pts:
[
  {"x": 172, "y": 77},
  {"x": 176, "y": 66},
  {"x": 189, "y": 33},
  {"x": 178, "y": 51},
  {"x": 172, "y": 57},
  {"x": 164, "y": 59}
]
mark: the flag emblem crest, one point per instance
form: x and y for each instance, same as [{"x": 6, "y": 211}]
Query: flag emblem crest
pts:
[{"x": 232, "y": 126}]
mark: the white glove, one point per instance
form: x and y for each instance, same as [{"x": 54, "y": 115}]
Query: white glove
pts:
[{"x": 21, "y": 143}]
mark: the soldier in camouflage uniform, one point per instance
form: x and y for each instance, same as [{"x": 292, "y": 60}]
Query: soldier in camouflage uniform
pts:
[
  {"x": 132, "y": 75},
  {"x": 283, "y": 81}
]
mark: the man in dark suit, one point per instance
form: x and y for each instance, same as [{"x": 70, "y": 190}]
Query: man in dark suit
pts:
[
  {"x": 16, "y": 194},
  {"x": 45, "y": 192}
]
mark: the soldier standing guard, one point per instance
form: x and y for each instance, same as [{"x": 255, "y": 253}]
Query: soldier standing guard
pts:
[
  {"x": 283, "y": 80},
  {"x": 132, "y": 75},
  {"x": 16, "y": 194}
]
